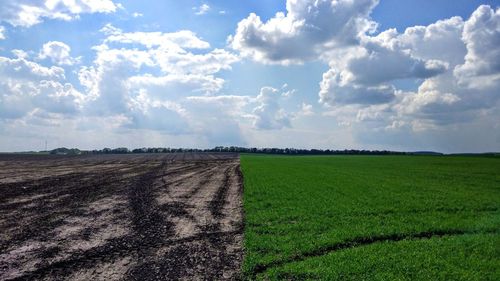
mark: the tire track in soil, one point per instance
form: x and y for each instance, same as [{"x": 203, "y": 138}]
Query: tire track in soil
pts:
[
  {"x": 180, "y": 196},
  {"x": 196, "y": 187},
  {"x": 364, "y": 241},
  {"x": 212, "y": 257}
]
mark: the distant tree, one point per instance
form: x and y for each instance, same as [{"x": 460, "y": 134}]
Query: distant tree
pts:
[
  {"x": 65, "y": 151},
  {"x": 120, "y": 150}
]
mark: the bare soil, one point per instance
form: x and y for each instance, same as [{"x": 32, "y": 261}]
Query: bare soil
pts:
[{"x": 121, "y": 217}]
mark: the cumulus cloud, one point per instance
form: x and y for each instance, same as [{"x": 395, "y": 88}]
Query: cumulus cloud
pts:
[
  {"x": 218, "y": 119},
  {"x": 170, "y": 51},
  {"x": 189, "y": 63},
  {"x": 426, "y": 80},
  {"x": 58, "y": 53},
  {"x": 26, "y": 13},
  {"x": 146, "y": 76},
  {"x": 453, "y": 61},
  {"x": 268, "y": 114},
  {"x": 175, "y": 86},
  {"x": 364, "y": 74},
  {"x": 175, "y": 41},
  {"x": 306, "y": 110},
  {"x": 233, "y": 105},
  {"x": 481, "y": 36},
  {"x": 264, "y": 110},
  {"x": 181, "y": 71},
  {"x": 426, "y": 102},
  {"x": 140, "y": 80},
  {"x": 337, "y": 32},
  {"x": 303, "y": 33},
  {"x": 201, "y": 10},
  {"x": 27, "y": 86},
  {"x": 2, "y": 32},
  {"x": 20, "y": 54},
  {"x": 439, "y": 41},
  {"x": 470, "y": 87},
  {"x": 397, "y": 64},
  {"x": 23, "y": 69},
  {"x": 335, "y": 91},
  {"x": 151, "y": 114},
  {"x": 359, "y": 78}
]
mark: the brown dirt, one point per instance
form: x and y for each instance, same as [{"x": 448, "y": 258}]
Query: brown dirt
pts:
[{"x": 121, "y": 217}]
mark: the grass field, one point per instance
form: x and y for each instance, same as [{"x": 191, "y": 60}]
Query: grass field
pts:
[{"x": 371, "y": 217}]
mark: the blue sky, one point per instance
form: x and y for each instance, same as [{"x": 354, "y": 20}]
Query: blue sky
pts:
[{"x": 361, "y": 74}]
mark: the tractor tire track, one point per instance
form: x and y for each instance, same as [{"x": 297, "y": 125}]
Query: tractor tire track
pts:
[{"x": 363, "y": 241}]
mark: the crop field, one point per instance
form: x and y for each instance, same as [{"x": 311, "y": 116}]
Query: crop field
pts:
[
  {"x": 197, "y": 216},
  {"x": 121, "y": 217},
  {"x": 371, "y": 217}
]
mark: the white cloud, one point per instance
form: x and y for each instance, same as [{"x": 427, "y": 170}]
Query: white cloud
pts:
[
  {"x": 439, "y": 41},
  {"x": 137, "y": 15},
  {"x": 356, "y": 74},
  {"x": 20, "y": 54},
  {"x": 176, "y": 41},
  {"x": 263, "y": 111},
  {"x": 481, "y": 36},
  {"x": 303, "y": 33},
  {"x": 453, "y": 61},
  {"x": 219, "y": 119},
  {"x": 149, "y": 114},
  {"x": 231, "y": 104},
  {"x": 189, "y": 63},
  {"x": 23, "y": 69},
  {"x": 306, "y": 110},
  {"x": 27, "y": 86},
  {"x": 174, "y": 85},
  {"x": 360, "y": 79},
  {"x": 227, "y": 119},
  {"x": 58, "y": 53},
  {"x": 268, "y": 114},
  {"x": 397, "y": 64},
  {"x": 109, "y": 29},
  {"x": 201, "y": 10},
  {"x": 149, "y": 84},
  {"x": 470, "y": 87},
  {"x": 27, "y": 13},
  {"x": 402, "y": 89},
  {"x": 335, "y": 91},
  {"x": 181, "y": 72}
]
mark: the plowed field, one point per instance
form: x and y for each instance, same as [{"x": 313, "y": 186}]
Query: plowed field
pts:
[{"x": 121, "y": 217}]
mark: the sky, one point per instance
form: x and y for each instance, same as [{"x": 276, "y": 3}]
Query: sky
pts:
[{"x": 331, "y": 74}]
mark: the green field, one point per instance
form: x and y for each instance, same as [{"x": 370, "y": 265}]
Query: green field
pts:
[{"x": 371, "y": 217}]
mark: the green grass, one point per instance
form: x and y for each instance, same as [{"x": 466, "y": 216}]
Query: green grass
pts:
[{"x": 371, "y": 217}]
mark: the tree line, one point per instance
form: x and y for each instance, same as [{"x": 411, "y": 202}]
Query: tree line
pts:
[{"x": 283, "y": 151}]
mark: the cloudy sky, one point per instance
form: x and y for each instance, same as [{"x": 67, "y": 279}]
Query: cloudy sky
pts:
[{"x": 360, "y": 74}]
